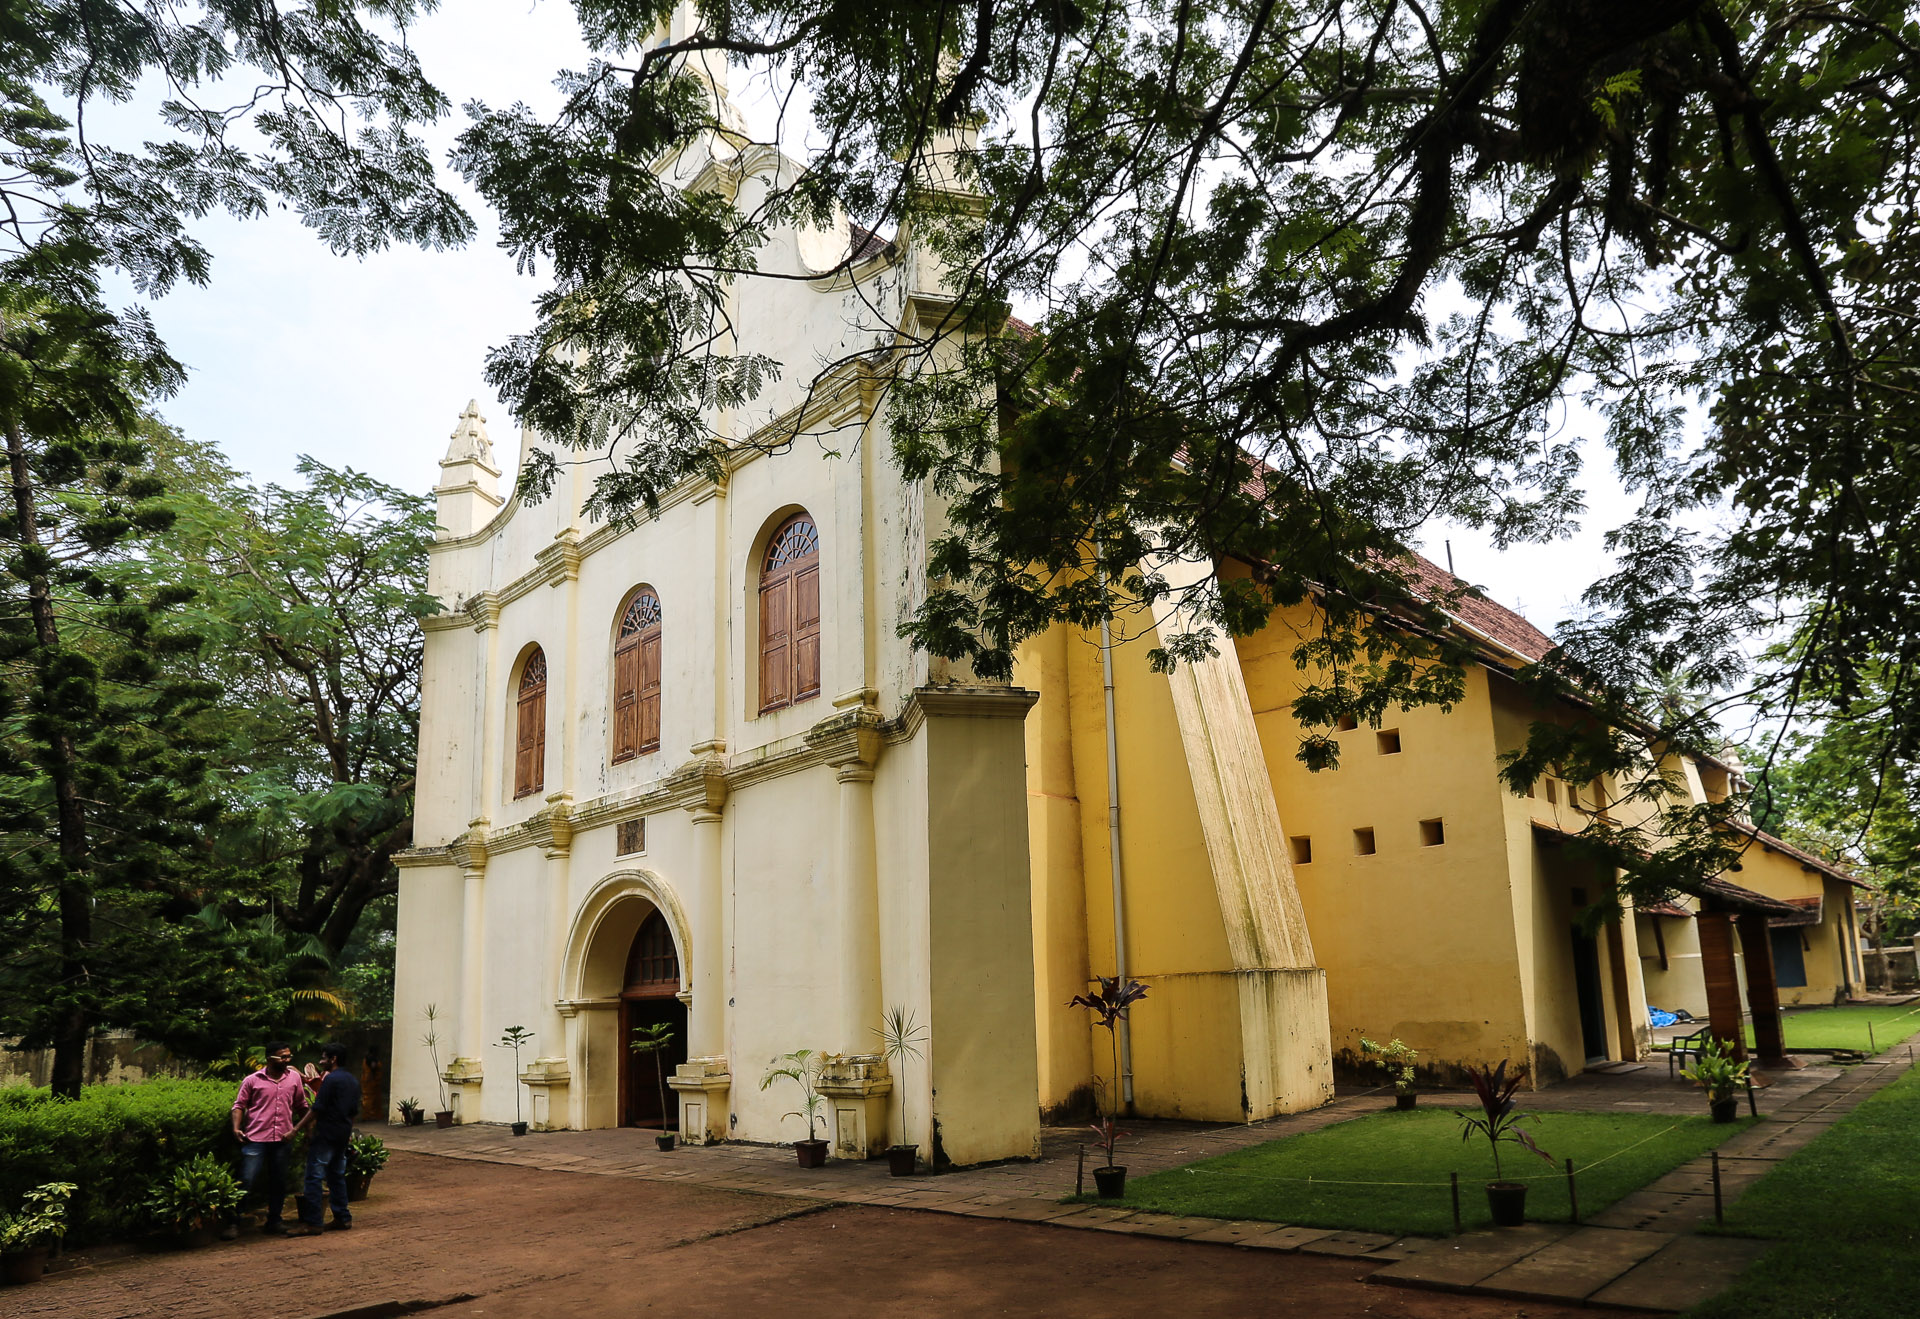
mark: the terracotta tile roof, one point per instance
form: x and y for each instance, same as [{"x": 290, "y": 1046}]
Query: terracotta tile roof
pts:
[
  {"x": 1493, "y": 621},
  {"x": 1810, "y": 913},
  {"x": 1719, "y": 889},
  {"x": 865, "y": 243},
  {"x": 1673, "y": 909},
  {"x": 1807, "y": 859}
]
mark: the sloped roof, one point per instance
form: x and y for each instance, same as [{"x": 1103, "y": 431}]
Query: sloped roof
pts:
[
  {"x": 1810, "y": 913},
  {"x": 865, "y": 243},
  {"x": 1492, "y": 620},
  {"x": 1807, "y": 859}
]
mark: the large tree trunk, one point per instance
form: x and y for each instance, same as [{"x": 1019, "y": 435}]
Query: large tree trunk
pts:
[{"x": 76, "y": 912}]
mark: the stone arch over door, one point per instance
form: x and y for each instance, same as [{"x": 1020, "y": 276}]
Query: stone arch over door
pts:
[{"x": 592, "y": 977}]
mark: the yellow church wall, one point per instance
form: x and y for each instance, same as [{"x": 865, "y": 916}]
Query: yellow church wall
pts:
[
  {"x": 1778, "y": 875},
  {"x": 1417, "y": 941}
]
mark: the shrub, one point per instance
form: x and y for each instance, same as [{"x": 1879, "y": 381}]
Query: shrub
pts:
[
  {"x": 195, "y": 1195},
  {"x": 112, "y": 1142},
  {"x": 366, "y": 1153}
]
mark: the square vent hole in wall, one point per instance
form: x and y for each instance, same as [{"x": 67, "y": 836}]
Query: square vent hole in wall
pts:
[
  {"x": 1432, "y": 833},
  {"x": 1389, "y": 741},
  {"x": 1302, "y": 848},
  {"x": 630, "y": 838},
  {"x": 1346, "y": 723},
  {"x": 1363, "y": 842}
]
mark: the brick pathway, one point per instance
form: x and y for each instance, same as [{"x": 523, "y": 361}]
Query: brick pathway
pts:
[{"x": 1637, "y": 1253}]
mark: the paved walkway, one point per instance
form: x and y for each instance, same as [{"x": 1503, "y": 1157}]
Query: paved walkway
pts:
[{"x": 1638, "y": 1253}]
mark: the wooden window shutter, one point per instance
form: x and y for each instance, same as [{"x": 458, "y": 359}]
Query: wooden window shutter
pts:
[
  {"x": 530, "y": 728},
  {"x": 790, "y": 615},
  {"x": 636, "y": 678}
]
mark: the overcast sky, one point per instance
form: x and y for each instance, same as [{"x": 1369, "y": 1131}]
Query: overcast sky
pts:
[{"x": 368, "y": 363}]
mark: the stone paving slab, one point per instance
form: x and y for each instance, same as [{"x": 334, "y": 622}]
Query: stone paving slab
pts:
[
  {"x": 1682, "y": 1274},
  {"x": 1652, "y": 1211},
  {"x": 1348, "y": 1243},
  {"x": 1463, "y": 1262},
  {"x": 1577, "y": 1265},
  {"x": 1289, "y": 1238}
]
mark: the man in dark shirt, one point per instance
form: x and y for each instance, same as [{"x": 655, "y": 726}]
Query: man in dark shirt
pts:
[{"x": 335, "y": 1105}]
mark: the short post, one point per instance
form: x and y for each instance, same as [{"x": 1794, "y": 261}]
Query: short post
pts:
[
  {"x": 1455, "y": 1178},
  {"x": 1719, "y": 1210},
  {"x": 1871, "y": 1046},
  {"x": 1573, "y": 1193},
  {"x": 1080, "y": 1172},
  {"x": 1753, "y": 1100}
]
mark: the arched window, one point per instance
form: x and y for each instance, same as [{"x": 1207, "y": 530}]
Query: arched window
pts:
[
  {"x": 636, "y": 678},
  {"x": 652, "y": 965},
  {"x": 790, "y": 615},
  {"x": 530, "y": 728}
]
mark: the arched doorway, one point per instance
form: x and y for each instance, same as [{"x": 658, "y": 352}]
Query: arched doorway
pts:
[{"x": 650, "y": 995}]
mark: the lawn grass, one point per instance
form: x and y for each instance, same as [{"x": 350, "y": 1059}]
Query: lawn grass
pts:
[
  {"x": 1845, "y": 1027},
  {"x": 1270, "y": 1181},
  {"x": 1845, "y": 1210}
]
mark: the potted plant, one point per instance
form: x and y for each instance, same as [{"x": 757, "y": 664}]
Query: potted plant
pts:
[
  {"x": 28, "y": 1236},
  {"x": 900, "y": 1040},
  {"x": 1721, "y": 1075},
  {"x": 1396, "y": 1059},
  {"x": 444, "y": 1117},
  {"x": 1499, "y": 1121},
  {"x": 1109, "y": 1004},
  {"x": 366, "y": 1155},
  {"x": 655, "y": 1040},
  {"x": 516, "y": 1038},
  {"x": 189, "y": 1203},
  {"x": 411, "y": 1113},
  {"x": 802, "y": 1067}
]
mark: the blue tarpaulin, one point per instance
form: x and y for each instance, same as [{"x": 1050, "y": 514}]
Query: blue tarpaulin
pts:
[{"x": 1661, "y": 1017}]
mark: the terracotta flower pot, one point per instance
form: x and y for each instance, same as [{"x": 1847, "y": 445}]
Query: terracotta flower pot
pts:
[
  {"x": 24, "y": 1266},
  {"x": 1111, "y": 1182},
  {"x": 811, "y": 1153},
  {"x": 1725, "y": 1110},
  {"x": 1508, "y": 1203},
  {"x": 443, "y": 1119},
  {"x": 900, "y": 1159},
  {"x": 1404, "y": 1100}
]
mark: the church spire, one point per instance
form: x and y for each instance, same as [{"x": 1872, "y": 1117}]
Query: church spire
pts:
[{"x": 469, "y": 489}]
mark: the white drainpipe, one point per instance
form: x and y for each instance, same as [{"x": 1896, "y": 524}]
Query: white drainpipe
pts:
[{"x": 1113, "y": 852}]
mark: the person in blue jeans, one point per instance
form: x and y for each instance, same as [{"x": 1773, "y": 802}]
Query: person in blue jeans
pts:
[{"x": 335, "y": 1105}]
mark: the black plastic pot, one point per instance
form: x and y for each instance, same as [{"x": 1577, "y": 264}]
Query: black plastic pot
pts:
[
  {"x": 901, "y": 1158},
  {"x": 413, "y": 1116},
  {"x": 359, "y": 1185},
  {"x": 811, "y": 1153},
  {"x": 1508, "y": 1202},
  {"x": 519, "y": 1128},
  {"x": 443, "y": 1119},
  {"x": 1111, "y": 1183},
  {"x": 1404, "y": 1100},
  {"x": 24, "y": 1266},
  {"x": 1725, "y": 1110},
  {"x": 663, "y": 1141}
]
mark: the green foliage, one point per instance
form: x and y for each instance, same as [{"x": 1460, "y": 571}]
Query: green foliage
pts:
[
  {"x": 109, "y": 1143},
  {"x": 1388, "y": 1172},
  {"x": 656, "y": 1039},
  {"x": 41, "y": 1220},
  {"x": 1396, "y": 1059},
  {"x": 196, "y": 1194},
  {"x": 1499, "y": 1117},
  {"x": 430, "y": 1041},
  {"x": 901, "y": 1038},
  {"x": 1305, "y": 277},
  {"x": 1842, "y": 1209},
  {"x": 802, "y": 1067},
  {"x": 366, "y": 1154},
  {"x": 1717, "y": 1071},
  {"x": 517, "y": 1038}
]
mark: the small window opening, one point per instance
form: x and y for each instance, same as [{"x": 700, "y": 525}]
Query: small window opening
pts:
[
  {"x": 1346, "y": 723},
  {"x": 1432, "y": 833},
  {"x": 1529, "y": 790},
  {"x": 1302, "y": 849},
  {"x": 1553, "y": 794},
  {"x": 1363, "y": 842},
  {"x": 630, "y": 837},
  {"x": 1389, "y": 741}
]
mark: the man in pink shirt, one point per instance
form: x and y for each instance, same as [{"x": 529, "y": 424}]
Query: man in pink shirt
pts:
[{"x": 270, "y": 1103}]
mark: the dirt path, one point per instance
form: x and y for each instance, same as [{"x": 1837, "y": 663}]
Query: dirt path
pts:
[{"x": 519, "y": 1242}]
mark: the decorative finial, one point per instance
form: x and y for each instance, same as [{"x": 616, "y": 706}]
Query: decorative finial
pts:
[{"x": 469, "y": 440}]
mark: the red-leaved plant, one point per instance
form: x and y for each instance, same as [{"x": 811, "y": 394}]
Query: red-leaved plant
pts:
[
  {"x": 1110, "y": 1003},
  {"x": 1500, "y": 1117}
]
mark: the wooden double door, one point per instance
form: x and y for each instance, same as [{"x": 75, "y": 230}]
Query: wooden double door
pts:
[{"x": 651, "y": 997}]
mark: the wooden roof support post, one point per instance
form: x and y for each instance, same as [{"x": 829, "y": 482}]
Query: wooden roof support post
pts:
[
  {"x": 1722, "y": 979},
  {"x": 1763, "y": 993}
]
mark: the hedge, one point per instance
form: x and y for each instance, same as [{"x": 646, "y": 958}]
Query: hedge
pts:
[{"x": 111, "y": 1141}]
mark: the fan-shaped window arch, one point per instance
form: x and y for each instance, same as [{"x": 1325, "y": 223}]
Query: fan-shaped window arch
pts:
[
  {"x": 636, "y": 677},
  {"x": 530, "y": 727},
  {"x": 790, "y": 614}
]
